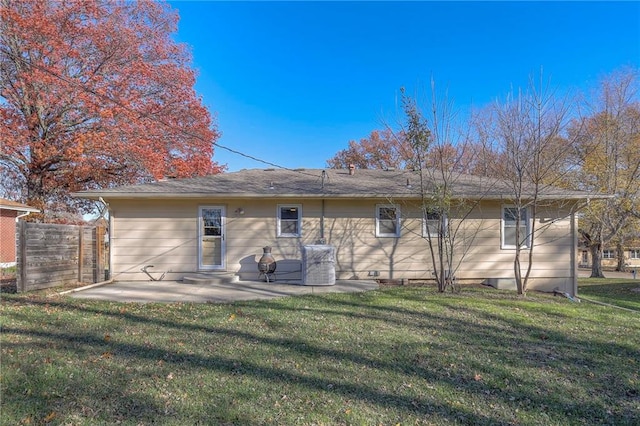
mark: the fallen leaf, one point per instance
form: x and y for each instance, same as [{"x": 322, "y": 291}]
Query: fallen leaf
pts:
[
  {"x": 52, "y": 415},
  {"x": 477, "y": 377}
]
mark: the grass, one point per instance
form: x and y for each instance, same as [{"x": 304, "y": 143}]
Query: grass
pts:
[
  {"x": 402, "y": 355},
  {"x": 618, "y": 292},
  {"x": 8, "y": 271}
]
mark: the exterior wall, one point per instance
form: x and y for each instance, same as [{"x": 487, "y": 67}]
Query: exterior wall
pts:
[
  {"x": 164, "y": 233},
  {"x": 553, "y": 244},
  {"x": 8, "y": 236},
  {"x": 158, "y": 233}
]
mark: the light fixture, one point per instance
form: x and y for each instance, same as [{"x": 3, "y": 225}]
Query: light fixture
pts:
[{"x": 239, "y": 211}]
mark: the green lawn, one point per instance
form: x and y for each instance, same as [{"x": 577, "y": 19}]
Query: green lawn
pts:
[
  {"x": 402, "y": 355},
  {"x": 625, "y": 293}
]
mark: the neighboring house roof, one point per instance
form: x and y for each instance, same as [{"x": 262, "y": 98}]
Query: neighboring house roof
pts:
[
  {"x": 322, "y": 183},
  {"x": 14, "y": 205}
]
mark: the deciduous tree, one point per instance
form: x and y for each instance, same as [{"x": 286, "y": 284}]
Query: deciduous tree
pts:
[
  {"x": 526, "y": 136},
  {"x": 382, "y": 149},
  {"x": 391, "y": 149},
  {"x": 95, "y": 93},
  {"x": 438, "y": 150},
  {"x": 437, "y": 146},
  {"x": 608, "y": 137}
]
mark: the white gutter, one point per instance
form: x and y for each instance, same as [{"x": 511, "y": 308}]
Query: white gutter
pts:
[
  {"x": 26, "y": 210},
  {"x": 317, "y": 196}
]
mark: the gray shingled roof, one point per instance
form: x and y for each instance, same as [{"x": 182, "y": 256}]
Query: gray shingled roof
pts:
[{"x": 317, "y": 183}]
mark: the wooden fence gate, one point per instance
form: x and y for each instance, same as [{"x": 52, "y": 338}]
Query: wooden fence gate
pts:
[{"x": 50, "y": 255}]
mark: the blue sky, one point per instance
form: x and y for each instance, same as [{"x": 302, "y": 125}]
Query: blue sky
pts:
[{"x": 291, "y": 83}]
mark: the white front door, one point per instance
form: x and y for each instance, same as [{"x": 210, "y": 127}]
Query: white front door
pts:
[{"x": 211, "y": 237}]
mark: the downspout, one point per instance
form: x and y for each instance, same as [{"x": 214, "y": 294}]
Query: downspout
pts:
[
  {"x": 322, "y": 240},
  {"x": 109, "y": 233},
  {"x": 22, "y": 215},
  {"x": 322, "y": 223},
  {"x": 574, "y": 266}
]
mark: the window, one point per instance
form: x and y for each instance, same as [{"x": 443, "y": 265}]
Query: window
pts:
[
  {"x": 509, "y": 222},
  {"x": 432, "y": 223},
  {"x": 634, "y": 254},
  {"x": 289, "y": 220},
  {"x": 211, "y": 222},
  {"x": 387, "y": 220},
  {"x": 608, "y": 254},
  {"x": 585, "y": 257}
]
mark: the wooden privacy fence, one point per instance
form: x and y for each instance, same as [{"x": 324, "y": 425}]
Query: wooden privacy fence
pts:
[{"x": 50, "y": 255}]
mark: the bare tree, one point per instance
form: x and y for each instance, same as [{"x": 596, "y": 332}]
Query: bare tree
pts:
[
  {"x": 439, "y": 147},
  {"x": 527, "y": 136}
]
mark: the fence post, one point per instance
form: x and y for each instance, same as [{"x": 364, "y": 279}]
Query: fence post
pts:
[
  {"x": 80, "y": 253},
  {"x": 99, "y": 251},
  {"x": 21, "y": 273}
]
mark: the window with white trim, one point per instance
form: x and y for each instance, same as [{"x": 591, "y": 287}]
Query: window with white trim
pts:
[
  {"x": 608, "y": 254},
  {"x": 434, "y": 223},
  {"x": 289, "y": 220},
  {"x": 634, "y": 254},
  {"x": 387, "y": 220},
  {"x": 510, "y": 224}
]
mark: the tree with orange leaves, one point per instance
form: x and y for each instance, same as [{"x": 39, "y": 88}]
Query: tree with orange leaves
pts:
[
  {"x": 95, "y": 94},
  {"x": 382, "y": 149}
]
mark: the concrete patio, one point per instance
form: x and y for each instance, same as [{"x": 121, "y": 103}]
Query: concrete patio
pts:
[{"x": 210, "y": 292}]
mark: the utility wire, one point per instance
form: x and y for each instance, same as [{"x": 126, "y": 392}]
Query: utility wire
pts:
[{"x": 145, "y": 115}]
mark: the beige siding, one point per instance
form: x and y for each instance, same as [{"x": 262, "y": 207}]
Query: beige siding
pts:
[
  {"x": 165, "y": 234},
  {"x": 552, "y": 249},
  {"x": 162, "y": 234}
]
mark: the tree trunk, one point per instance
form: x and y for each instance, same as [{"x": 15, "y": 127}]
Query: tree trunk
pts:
[
  {"x": 596, "y": 260},
  {"x": 443, "y": 273},
  {"x": 622, "y": 267},
  {"x": 518, "y": 273}
]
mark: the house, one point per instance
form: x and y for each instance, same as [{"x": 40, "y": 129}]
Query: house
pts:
[
  {"x": 373, "y": 218},
  {"x": 631, "y": 256},
  {"x": 10, "y": 212}
]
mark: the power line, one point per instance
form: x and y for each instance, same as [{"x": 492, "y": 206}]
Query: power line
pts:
[{"x": 145, "y": 115}]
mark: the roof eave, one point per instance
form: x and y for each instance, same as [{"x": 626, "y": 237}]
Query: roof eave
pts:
[
  {"x": 153, "y": 195},
  {"x": 199, "y": 195},
  {"x": 20, "y": 209}
]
